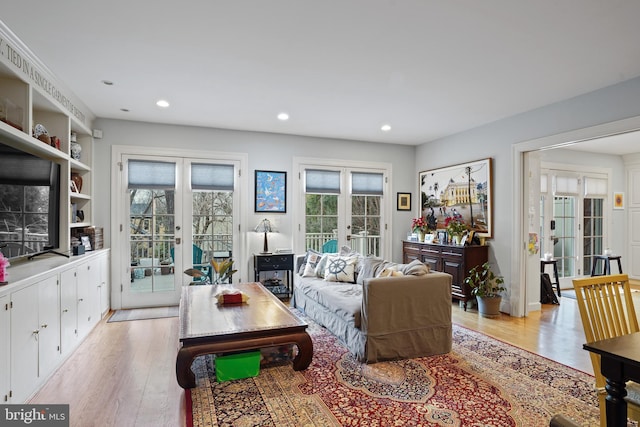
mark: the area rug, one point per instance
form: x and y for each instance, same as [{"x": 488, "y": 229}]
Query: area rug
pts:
[
  {"x": 143, "y": 313},
  {"x": 482, "y": 382}
]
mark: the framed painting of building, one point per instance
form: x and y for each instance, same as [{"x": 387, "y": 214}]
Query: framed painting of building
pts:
[{"x": 462, "y": 191}]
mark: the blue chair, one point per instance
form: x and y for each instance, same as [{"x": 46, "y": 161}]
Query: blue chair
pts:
[
  {"x": 196, "y": 258},
  {"x": 330, "y": 246}
]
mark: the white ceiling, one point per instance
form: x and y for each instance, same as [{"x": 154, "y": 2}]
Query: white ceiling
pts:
[{"x": 340, "y": 68}]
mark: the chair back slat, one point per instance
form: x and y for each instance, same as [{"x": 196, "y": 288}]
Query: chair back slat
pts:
[{"x": 606, "y": 310}]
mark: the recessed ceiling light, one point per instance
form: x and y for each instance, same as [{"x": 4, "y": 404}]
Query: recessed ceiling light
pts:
[
  {"x": 162, "y": 103},
  {"x": 107, "y": 82},
  {"x": 283, "y": 116},
  {"x": 385, "y": 128}
]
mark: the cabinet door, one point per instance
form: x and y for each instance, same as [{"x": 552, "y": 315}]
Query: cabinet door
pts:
[
  {"x": 24, "y": 343},
  {"x": 105, "y": 289},
  {"x": 48, "y": 326},
  {"x": 5, "y": 354},
  {"x": 85, "y": 297},
  {"x": 94, "y": 278},
  {"x": 430, "y": 255},
  {"x": 454, "y": 266},
  {"x": 432, "y": 261},
  {"x": 68, "y": 311}
]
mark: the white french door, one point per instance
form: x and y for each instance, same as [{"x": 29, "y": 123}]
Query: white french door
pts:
[
  {"x": 573, "y": 219},
  {"x": 343, "y": 206},
  {"x": 177, "y": 213}
]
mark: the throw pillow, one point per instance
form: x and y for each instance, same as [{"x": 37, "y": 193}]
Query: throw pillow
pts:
[
  {"x": 340, "y": 269},
  {"x": 311, "y": 261},
  {"x": 347, "y": 251},
  {"x": 322, "y": 264}
]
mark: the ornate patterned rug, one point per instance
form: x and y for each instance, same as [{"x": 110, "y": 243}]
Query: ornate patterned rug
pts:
[{"x": 482, "y": 382}]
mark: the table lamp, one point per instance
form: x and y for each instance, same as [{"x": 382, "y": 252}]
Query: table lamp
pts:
[{"x": 265, "y": 227}]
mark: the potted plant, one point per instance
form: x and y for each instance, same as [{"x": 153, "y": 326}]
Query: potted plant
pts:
[
  {"x": 222, "y": 273},
  {"x": 486, "y": 287},
  {"x": 455, "y": 227},
  {"x": 419, "y": 226}
]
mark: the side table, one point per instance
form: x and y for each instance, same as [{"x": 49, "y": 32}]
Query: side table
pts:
[
  {"x": 275, "y": 262},
  {"x": 607, "y": 264}
]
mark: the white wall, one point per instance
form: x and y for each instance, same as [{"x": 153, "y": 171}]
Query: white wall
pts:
[
  {"x": 496, "y": 140},
  {"x": 266, "y": 152}
]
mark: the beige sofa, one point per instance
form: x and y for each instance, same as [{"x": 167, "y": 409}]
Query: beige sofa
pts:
[{"x": 379, "y": 318}]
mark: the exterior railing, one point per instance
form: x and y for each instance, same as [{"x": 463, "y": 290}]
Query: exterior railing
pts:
[
  {"x": 361, "y": 243},
  {"x": 213, "y": 246}
]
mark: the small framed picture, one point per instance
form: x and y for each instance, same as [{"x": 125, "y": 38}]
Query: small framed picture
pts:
[
  {"x": 618, "y": 200},
  {"x": 86, "y": 242},
  {"x": 442, "y": 237},
  {"x": 73, "y": 186},
  {"x": 404, "y": 202}
]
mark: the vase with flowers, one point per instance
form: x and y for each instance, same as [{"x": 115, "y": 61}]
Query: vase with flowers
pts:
[
  {"x": 455, "y": 227},
  {"x": 419, "y": 226}
]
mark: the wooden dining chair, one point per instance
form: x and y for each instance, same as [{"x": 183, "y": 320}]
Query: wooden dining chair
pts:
[{"x": 607, "y": 311}]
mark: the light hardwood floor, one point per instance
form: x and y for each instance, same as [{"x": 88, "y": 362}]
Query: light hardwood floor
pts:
[{"x": 123, "y": 374}]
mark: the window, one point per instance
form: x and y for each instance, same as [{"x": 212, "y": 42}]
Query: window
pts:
[
  {"x": 593, "y": 217},
  {"x": 322, "y": 188},
  {"x": 343, "y": 207},
  {"x": 212, "y": 209}
]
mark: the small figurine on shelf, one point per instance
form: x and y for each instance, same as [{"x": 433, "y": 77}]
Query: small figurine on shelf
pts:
[{"x": 4, "y": 263}]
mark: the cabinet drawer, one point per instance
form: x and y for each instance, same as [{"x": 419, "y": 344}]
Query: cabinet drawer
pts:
[{"x": 275, "y": 262}]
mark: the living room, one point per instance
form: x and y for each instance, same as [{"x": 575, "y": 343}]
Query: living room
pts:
[{"x": 600, "y": 107}]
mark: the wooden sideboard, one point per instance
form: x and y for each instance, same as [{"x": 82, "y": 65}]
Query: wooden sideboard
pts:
[{"x": 455, "y": 260}]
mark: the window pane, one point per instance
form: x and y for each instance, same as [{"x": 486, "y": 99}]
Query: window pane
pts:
[
  {"x": 358, "y": 205},
  {"x": 313, "y": 205},
  {"x": 329, "y": 204},
  {"x": 587, "y": 227}
]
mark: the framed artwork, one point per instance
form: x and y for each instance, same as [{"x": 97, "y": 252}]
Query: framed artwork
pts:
[
  {"x": 462, "y": 191},
  {"x": 86, "y": 242},
  {"x": 618, "y": 200},
  {"x": 271, "y": 191},
  {"x": 404, "y": 202},
  {"x": 73, "y": 186}
]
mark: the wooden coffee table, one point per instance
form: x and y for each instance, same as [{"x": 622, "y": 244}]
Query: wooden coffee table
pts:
[{"x": 264, "y": 321}]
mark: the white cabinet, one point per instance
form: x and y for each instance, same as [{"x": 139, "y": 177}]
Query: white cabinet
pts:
[
  {"x": 44, "y": 318},
  {"x": 68, "y": 310},
  {"x": 35, "y": 336},
  {"x": 105, "y": 288},
  {"x": 48, "y": 326},
  {"x": 84, "y": 298},
  {"x": 5, "y": 354},
  {"x": 88, "y": 288}
]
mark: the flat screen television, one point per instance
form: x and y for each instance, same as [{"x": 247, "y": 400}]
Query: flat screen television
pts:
[{"x": 29, "y": 203}]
